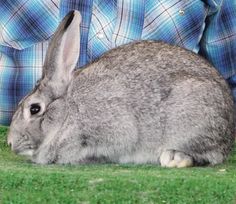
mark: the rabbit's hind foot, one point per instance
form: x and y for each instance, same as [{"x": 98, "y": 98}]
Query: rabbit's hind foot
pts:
[{"x": 173, "y": 158}]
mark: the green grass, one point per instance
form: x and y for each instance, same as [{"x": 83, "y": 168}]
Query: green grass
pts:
[{"x": 23, "y": 182}]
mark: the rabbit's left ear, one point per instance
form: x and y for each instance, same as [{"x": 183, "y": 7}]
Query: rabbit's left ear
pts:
[{"x": 63, "y": 51}]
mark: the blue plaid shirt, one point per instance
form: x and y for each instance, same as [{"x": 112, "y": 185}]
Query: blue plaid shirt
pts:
[{"x": 206, "y": 27}]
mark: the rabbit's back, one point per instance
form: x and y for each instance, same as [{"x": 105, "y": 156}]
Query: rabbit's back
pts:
[
  {"x": 165, "y": 97},
  {"x": 154, "y": 64}
]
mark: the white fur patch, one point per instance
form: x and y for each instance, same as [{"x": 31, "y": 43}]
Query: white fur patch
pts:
[{"x": 28, "y": 153}]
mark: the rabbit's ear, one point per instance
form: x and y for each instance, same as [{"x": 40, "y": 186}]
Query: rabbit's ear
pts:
[{"x": 63, "y": 51}]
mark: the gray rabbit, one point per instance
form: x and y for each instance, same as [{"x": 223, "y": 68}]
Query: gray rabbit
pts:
[{"x": 143, "y": 102}]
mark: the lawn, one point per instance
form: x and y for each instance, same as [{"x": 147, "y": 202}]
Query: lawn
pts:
[{"x": 23, "y": 182}]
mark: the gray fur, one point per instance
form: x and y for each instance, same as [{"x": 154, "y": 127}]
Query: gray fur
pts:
[{"x": 134, "y": 103}]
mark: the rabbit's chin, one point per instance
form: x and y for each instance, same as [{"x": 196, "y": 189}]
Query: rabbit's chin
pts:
[{"x": 27, "y": 153}]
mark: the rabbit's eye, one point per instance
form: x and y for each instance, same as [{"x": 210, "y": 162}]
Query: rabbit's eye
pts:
[{"x": 34, "y": 109}]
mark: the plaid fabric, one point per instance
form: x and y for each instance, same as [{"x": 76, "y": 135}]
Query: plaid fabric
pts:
[
  {"x": 26, "y": 22},
  {"x": 203, "y": 26}
]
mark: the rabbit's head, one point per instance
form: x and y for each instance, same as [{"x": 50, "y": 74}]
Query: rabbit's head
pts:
[{"x": 41, "y": 111}]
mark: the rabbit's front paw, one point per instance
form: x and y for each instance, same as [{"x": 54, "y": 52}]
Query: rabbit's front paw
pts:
[
  {"x": 172, "y": 158},
  {"x": 44, "y": 155}
]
